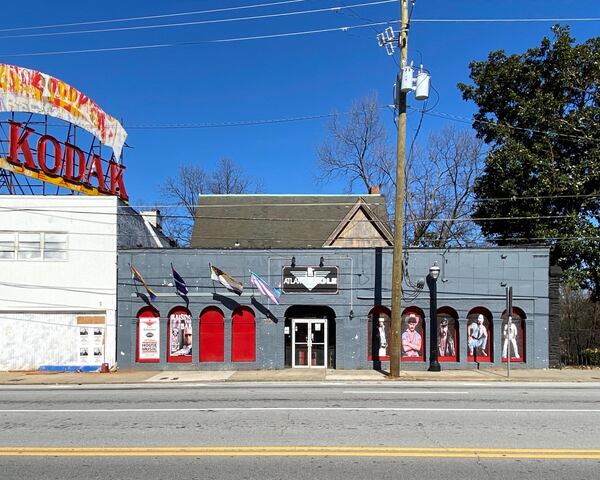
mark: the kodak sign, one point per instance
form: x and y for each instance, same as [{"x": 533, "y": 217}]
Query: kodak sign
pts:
[{"x": 61, "y": 164}]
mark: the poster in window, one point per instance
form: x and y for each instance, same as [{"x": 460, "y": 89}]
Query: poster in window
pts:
[
  {"x": 512, "y": 340},
  {"x": 180, "y": 336},
  {"x": 148, "y": 339},
  {"x": 412, "y": 337},
  {"x": 379, "y": 334},
  {"x": 447, "y": 338},
  {"x": 479, "y": 338}
]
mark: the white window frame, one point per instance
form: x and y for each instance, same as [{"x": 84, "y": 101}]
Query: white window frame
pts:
[{"x": 42, "y": 250}]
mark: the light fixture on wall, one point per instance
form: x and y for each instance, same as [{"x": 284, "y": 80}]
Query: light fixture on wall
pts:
[
  {"x": 321, "y": 262},
  {"x": 351, "y": 314},
  {"x": 293, "y": 261}
]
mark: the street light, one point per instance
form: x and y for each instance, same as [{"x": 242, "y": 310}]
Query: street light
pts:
[{"x": 434, "y": 273}]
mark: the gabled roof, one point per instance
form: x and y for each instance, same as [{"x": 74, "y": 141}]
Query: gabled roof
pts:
[{"x": 291, "y": 221}]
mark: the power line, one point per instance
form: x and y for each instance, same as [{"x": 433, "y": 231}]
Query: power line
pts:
[
  {"x": 51, "y": 212},
  {"x": 151, "y": 17},
  {"x": 504, "y": 20},
  {"x": 470, "y": 121},
  {"x": 227, "y": 124},
  {"x": 198, "y": 22},
  {"x": 199, "y": 42}
]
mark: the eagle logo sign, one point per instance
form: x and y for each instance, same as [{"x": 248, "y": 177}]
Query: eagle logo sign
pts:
[{"x": 309, "y": 278}]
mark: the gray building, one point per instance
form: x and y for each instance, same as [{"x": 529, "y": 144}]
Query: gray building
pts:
[{"x": 334, "y": 312}]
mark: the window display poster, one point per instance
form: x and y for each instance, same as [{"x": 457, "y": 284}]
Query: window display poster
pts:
[
  {"x": 148, "y": 339},
  {"x": 180, "y": 335},
  {"x": 412, "y": 337},
  {"x": 479, "y": 338},
  {"x": 378, "y": 334},
  {"x": 513, "y": 337}
]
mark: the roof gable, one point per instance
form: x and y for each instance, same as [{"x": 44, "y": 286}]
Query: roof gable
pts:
[{"x": 360, "y": 228}]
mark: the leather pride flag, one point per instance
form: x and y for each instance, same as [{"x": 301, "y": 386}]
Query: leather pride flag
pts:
[{"x": 230, "y": 283}]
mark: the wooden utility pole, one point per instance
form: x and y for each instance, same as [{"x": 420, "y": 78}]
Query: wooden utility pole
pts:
[{"x": 397, "y": 272}]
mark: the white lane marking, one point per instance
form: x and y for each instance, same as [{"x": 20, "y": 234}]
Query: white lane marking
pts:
[
  {"x": 300, "y": 409},
  {"x": 408, "y": 392}
]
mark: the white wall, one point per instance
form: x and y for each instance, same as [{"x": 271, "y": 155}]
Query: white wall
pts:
[{"x": 84, "y": 283}]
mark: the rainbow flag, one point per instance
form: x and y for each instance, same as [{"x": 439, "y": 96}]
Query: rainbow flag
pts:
[{"x": 135, "y": 275}]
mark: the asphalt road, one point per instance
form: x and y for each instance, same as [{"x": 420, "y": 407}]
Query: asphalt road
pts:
[{"x": 386, "y": 430}]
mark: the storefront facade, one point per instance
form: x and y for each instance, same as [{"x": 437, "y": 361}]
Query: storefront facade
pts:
[
  {"x": 58, "y": 265},
  {"x": 335, "y": 309}
]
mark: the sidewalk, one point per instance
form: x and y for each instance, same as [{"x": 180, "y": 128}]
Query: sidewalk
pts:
[{"x": 295, "y": 375}]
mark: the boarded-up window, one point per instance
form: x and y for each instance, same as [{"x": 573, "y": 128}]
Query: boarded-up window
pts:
[
  {"x": 212, "y": 335},
  {"x": 243, "y": 336}
]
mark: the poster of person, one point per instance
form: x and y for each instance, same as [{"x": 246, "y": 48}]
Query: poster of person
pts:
[
  {"x": 446, "y": 338},
  {"x": 412, "y": 337},
  {"x": 180, "y": 335},
  {"x": 512, "y": 339},
  {"x": 478, "y": 338},
  {"x": 83, "y": 345},
  {"x": 379, "y": 336},
  {"x": 91, "y": 340}
]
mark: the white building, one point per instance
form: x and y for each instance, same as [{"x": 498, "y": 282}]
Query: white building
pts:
[{"x": 58, "y": 278}]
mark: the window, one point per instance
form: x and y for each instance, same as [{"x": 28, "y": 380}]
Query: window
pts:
[
  {"x": 33, "y": 246},
  {"x": 513, "y": 336},
  {"x": 413, "y": 335},
  {"x": 448, "y": 333},
  {"x": 148, "y": 335},
  {"x": 55, "y": 246},
  {"x": 180, "y": 335},
  {"x": 29, "y": 246},
  {"x": 379, "y": 334},
  {"x": 480, "y": 335},
  {"x": 7, "y": 245}
]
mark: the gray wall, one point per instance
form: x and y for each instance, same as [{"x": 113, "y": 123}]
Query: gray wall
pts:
[{"x": 468, "y": 278}]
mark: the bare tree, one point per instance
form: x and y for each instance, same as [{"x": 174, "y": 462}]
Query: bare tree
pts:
[
  {"x": 439, "y": 179},
  {"x": 357, "y": 146},
  {"x": 439, "y": 189},
  {"x": 228, "y": 178},
  {"x": 181, "y": 194}
]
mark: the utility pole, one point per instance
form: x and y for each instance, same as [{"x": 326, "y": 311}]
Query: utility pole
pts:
[{"x": 397, "y": 272}]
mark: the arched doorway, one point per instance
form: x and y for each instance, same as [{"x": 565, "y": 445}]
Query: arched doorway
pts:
[{"x": 309, "y": 337}]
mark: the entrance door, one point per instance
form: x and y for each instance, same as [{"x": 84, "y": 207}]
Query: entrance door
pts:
[{"x": 309, "y": 343}]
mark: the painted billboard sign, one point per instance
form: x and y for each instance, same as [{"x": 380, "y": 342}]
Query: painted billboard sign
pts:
[
  {"x": 25, "y": 90},
  {"x": 61, "y": 164}
]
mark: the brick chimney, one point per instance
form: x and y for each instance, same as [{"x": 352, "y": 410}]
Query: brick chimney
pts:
[{"x": 374, "y": 190}]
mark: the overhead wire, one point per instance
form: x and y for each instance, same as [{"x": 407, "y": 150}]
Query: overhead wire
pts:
[
  {"x": 52, "y": 212},
  {"x": 198, "y": 22},
  {"x": 471, "y": 121},
  {"x": 193, "y": 43},
  {"x": 152, "y": 17}
]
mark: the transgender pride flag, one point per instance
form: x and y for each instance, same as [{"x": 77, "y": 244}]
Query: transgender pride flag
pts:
[{"x": 265, "y": 288}]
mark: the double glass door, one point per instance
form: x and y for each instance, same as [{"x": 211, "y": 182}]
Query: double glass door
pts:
[{"x": 309, "y": 343}]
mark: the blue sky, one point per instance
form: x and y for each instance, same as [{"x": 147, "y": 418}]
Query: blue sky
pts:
[{"x": 263, "y": 79}]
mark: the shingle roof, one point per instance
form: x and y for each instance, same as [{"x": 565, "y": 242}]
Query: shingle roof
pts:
[{"x": 277, "y": 221}]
